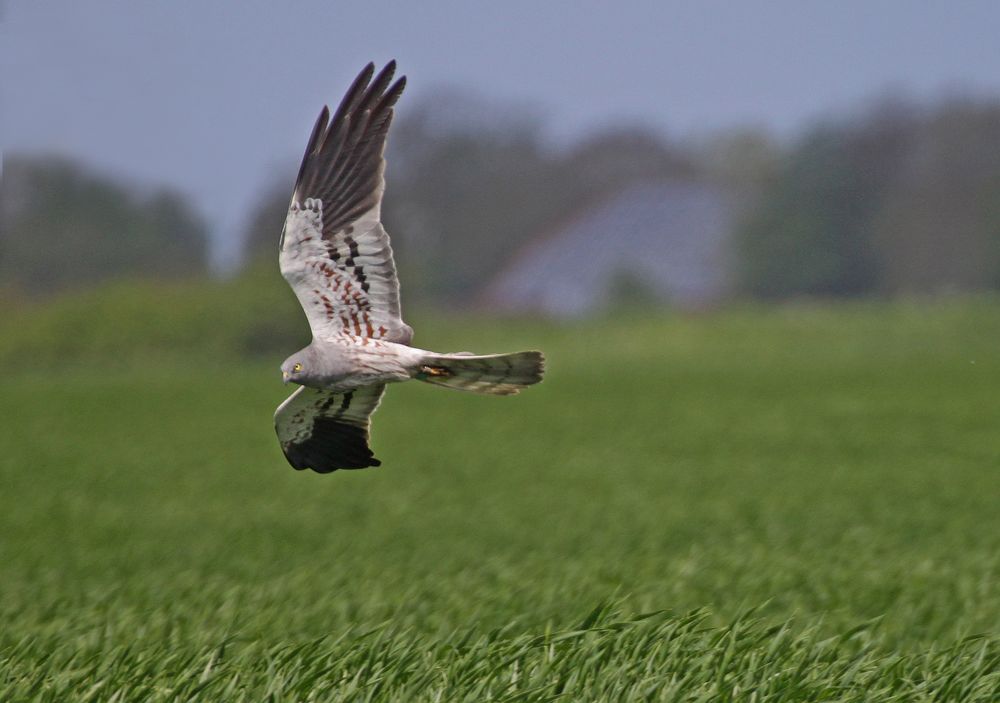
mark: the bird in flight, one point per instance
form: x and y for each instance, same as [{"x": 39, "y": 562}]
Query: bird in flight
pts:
[{"x": 335, "y": 254}]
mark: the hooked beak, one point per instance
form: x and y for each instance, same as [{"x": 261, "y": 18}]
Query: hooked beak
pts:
[{"x": 284, "y": 377}]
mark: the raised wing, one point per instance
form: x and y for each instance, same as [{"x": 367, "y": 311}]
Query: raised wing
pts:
[
  {"x": 334, "y": 251},
  {"x": 326, "y": 431}
]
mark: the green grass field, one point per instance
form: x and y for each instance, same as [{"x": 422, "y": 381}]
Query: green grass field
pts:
[{"x": 795, "y": 504}]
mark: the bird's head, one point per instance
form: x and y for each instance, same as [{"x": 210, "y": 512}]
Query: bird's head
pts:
[{"x": 296, "y": 368}]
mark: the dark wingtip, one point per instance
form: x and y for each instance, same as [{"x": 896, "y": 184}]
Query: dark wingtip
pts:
[
  {"x": 355, "y": 92},
  {"x": 390, "y": 71},
  {"x": 397, "y": 88},
  {"x": 360, "y": 83},
  {"x": 322, "y": 122},
  {"x": 381, "y": 82}
]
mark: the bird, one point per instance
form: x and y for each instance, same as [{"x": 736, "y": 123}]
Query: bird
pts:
[{"x": 336, "y": 256}]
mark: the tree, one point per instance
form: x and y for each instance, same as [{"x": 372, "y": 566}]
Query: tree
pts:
[
  {"x": 900, "y": 200},
  {"x": 613, "y": 159},
  {"x": 813, "y": 230},
  {"x": 64, "y": 227},
  {"x": 939, "y": 229},
  {"x": 263, "y": 231}
]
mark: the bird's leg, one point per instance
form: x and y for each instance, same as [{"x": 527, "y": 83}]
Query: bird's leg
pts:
[{"x": 428, "y": 371}]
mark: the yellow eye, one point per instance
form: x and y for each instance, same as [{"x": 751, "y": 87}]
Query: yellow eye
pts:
[{"x": 297, "y": 368}]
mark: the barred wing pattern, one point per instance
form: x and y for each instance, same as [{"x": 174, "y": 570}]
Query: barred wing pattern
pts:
[
  {"x": 326, "y": 431},
  {"x": 334, "y": 251}
]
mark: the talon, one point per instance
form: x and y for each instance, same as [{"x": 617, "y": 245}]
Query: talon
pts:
[{"x": 435, "y": 371}]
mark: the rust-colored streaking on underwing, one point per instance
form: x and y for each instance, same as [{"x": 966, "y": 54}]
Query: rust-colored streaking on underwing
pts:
[{"x": 357, "y": 323}]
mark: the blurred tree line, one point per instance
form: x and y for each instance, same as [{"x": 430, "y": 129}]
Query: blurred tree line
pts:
[
  {"x": 897, "y": 199},
  {"x": 62, "y": 226},
  {"x": 901, "y": 199}
]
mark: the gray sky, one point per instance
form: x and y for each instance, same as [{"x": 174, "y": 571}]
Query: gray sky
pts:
[{"x": 212, "y": 97}]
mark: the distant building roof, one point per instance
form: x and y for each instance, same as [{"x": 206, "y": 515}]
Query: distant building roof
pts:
[{"x": 673, "y": 238}]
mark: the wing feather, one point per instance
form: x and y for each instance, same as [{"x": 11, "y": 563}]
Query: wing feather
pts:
[
  {"x": 325, "y": 431},
  {"x": 334, "y": 251}
]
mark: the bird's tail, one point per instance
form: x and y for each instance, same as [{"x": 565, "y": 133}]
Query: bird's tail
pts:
[{"x": 492, "y": 374}]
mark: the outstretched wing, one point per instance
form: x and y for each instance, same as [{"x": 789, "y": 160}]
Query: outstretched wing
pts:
[
  {"x": 326, "y": 431},
  {"x": 334, "y": 251}
]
